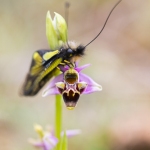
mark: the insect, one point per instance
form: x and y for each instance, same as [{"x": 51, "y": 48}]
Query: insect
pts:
[{"x": 45, "y": 63}]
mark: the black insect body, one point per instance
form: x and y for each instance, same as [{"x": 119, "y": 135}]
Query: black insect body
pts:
[{"x": 44, "y": 66}]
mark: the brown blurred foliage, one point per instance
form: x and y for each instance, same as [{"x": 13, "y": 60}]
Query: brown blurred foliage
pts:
[{"x": 120, "y": 62}]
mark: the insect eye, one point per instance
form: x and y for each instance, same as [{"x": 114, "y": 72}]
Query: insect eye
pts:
[{"x": 70, "y": 52}]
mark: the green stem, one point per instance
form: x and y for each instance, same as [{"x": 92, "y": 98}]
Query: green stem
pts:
[{"x": 58, "y": 119}]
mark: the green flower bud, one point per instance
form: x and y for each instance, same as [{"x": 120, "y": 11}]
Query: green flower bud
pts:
[
  {"x": 61, "y": 27},
  {"x": 51, "y": 33},
  {"x": 56, "y": 30},
  {"x": 39, "y": 130}
]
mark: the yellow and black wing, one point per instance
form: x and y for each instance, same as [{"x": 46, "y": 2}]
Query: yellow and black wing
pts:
[{"x": 43, "y": 68}]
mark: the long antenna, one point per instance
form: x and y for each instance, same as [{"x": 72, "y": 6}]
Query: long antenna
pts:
[{"x": 104, "y": 23}]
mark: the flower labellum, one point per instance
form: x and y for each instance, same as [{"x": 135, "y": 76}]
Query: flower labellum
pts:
[{"x": 71, "y": 88}]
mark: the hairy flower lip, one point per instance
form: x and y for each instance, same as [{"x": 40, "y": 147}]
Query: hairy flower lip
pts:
[{"x": 71, "y": 97}]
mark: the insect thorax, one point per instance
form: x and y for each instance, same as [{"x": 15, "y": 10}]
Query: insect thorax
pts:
[{"x": 71, "y": 51}]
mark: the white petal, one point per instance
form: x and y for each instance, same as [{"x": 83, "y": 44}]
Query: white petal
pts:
[
  {"x": 91, "y": 89},
  {"x": 52, "y": 91},
  {"x": 88, "y": 80}
]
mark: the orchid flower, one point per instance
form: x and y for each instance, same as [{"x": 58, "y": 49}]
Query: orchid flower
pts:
[
  {"x": 71, "y": 84},
  {"x": 47, "y": 140}
]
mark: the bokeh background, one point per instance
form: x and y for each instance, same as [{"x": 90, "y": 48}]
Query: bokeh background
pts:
[{"x": 118, "y": 118}]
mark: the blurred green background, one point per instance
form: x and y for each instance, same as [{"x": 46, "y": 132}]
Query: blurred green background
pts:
[{"x": 118, "y": 118}]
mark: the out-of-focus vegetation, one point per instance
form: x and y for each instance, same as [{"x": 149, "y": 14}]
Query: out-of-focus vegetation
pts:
[{"x": 116, "y": 118}]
